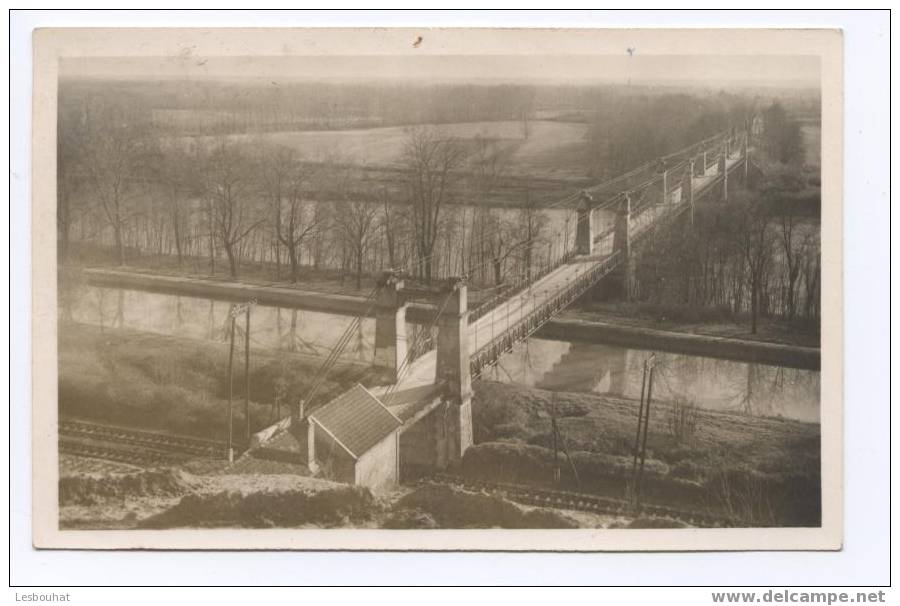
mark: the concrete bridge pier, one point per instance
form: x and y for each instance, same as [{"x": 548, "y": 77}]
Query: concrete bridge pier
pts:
[
  {"x": 453, "y": 372},
  {"x": 390, "y": 325},
  {"x": 584, "y": 227}
]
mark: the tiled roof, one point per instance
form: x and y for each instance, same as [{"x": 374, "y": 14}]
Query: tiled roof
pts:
[{"x": 357, "y": 420}]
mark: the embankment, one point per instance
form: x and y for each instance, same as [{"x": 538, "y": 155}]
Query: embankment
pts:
[
  {"x": 759, "y": 471},
  {"x": 275, "y": 295},
  {"x": 791, "y": 356}
]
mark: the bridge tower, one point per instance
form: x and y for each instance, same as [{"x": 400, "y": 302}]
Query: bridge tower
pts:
[
  {"x": 622, "y": 246},
  {"x": 584, "y": 227},
  {"x": 453, "y": 372},
  {"x": 701, "y": 166},
  {"x": 745, "y": 154},
  {"x": 723, "y": 171},
  {"x": 390, "y": 325},
  {"x": 664, "y": 184},
  {"x": 687, "y": 187}
]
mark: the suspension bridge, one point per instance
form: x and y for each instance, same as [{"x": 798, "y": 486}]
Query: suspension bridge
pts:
[{"x": 422, "y": 418}]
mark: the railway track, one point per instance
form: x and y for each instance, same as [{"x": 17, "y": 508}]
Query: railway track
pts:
[
  {"x": 560, "y": 499},
  {"x": 157, "y": 448},
  {"x": 132, "y": 456}
]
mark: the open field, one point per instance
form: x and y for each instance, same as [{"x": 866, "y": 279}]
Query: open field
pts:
[{"x": 551, "y": 150}]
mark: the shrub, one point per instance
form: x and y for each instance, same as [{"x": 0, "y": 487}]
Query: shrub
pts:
[
  {"x": 682, "y": 420},
  {"x": 90, "y": 490},
  {"x": 330, "y": 507}
]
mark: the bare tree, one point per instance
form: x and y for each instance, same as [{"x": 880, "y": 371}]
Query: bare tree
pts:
[
  {"x": 756, "y": 241},
  {"x": 284, "y": 181},
  {"x": 71, "y": 138},
  {"x": 230, "y": 187},
  {"x": 112, "y": 158},
  {"x": 503, "y": 238},
  {"x": 811, "y": 261},
  {"x": 394, "y": 219},
  {"x": 355, "y": 220},
  {"x": 172, "y": 169},
  {"x": 532, "y": 224},
  {"x": 791, "y": 274},
  {"x": 430, "y": 160}
]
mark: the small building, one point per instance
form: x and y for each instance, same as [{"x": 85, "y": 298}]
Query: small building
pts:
[{"x": 355, "y": 439}]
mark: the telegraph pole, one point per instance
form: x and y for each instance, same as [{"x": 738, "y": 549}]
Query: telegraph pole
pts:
[
  {"x": 556, "y": 472},
  {"x": 231, "y": 393},
  {"x": 640, "y": 438},
  {"x": 640, "y": 481},
  {"x": 247, "y": 376},
  {"x": 238, "y": 310}
]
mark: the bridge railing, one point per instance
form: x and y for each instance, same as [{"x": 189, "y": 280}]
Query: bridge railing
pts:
[
  {"x": 509, "y": 290},
  {"x": 528, "y": 323}
]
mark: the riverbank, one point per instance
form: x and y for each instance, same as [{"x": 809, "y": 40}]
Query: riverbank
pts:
[
  {"x": 694, "y": 322},
  {"x": 319, "y": 293},
  {"x": 178, "y": 385},
  {"x": 90, "y": 255},
  {"x": 760, "y": 471},
  {"x": 685, "y": 342}
]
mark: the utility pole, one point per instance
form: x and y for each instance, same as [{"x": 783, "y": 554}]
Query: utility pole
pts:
[
  {"x": 556, "y": 472},
  {"x": 247, "y": 376},
  {"x": 640, "y": 439},
  {"x": 637, "y": 437},
  {"x": 231, "y": 393},
  {"x": 237, "y": 310}
]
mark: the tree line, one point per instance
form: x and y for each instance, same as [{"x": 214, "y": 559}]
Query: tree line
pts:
[
  {"x": 758, "y": 253},
  {"x": 123, "y": 184},
  {"x": 209, "y": 107},
  {"x": 217, "y": 205}
]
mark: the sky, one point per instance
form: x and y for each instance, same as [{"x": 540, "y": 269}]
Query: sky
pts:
[{"x": 709, "y": 70}]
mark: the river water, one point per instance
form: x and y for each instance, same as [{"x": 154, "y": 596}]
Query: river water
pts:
[
  {"x": 726, "y": 385},
  {"x": 546, "y": 364}
]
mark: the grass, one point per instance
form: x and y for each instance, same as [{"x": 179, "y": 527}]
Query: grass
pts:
[
  {"x": 268, "y": 509},
  {"x": 734, "y": 464},
  {"x": 547, "y": 152},
  {"x": 178, "y": 385}
]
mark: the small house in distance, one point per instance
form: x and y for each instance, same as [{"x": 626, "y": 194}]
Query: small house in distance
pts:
[{"x": 355, "y": 439}]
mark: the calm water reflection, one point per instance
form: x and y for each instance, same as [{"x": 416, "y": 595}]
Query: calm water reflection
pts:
[
  {"x": 707, "y": 382},
  {"x": 554, "y": 365},
  {"x": 292, "y": 330}
]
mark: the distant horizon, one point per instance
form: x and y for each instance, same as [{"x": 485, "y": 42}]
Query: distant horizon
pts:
[{"x": 794, "y": 71}]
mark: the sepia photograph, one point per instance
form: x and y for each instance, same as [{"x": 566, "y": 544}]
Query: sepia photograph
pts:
[{"x": 304, "y": 292}]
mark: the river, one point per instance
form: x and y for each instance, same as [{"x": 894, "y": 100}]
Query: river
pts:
[{"x": 546, "y": 364}]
